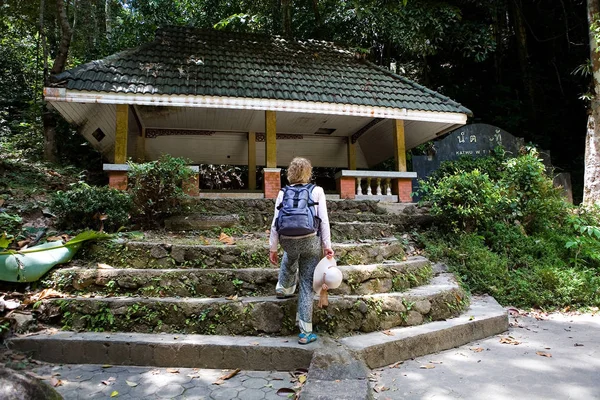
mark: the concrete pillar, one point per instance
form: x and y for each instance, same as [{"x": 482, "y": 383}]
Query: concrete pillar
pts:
[
  {"x": 351, "y": 154},
  {"x": 272, "y": 174},
  {"x": 118, "y": 179},
  {"x": 401, "y": 186}
]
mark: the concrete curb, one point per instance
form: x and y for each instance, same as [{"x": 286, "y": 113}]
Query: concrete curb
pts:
[
  {"x": 168, "y": 350},
  {"x": 484, "y": 318}
]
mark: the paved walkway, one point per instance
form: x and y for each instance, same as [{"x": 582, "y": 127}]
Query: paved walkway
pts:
[
  {"x": 103, "y": 382},
  {"x": 554, "y": 357}
]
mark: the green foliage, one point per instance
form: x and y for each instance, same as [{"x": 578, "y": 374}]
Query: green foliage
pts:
[
  {"x": 523, "y": 276},
  {"x": 83, "y": 207},
  {"x": 10, "y": 223},
  {"x": 156, "y": 187},
  {"x": 465, "y": 200},
  {"x": 520, "y": 241}
]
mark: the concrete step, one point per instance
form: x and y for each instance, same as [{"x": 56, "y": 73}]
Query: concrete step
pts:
[
  {"x": 483, "y": 318},
  {"x": 172, "y": 253},
  {"x": 442, "y": 298},
  {"x": 358, "y": 279}
]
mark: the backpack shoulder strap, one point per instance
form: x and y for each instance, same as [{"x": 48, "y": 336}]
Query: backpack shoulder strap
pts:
[{"x": 310, "y": 187}]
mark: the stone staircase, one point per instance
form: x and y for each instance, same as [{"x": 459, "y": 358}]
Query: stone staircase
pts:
[{"x": 186, "y": 299}]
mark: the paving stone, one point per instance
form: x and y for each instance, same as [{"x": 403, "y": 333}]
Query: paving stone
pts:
[
  {"x": 252, "y": 394},
  {"x": 224, "y": 394},
  {"x": 170, "y": 391},
  {"x": 197, "y": 392},
  {"x": 254, "y": 383}
]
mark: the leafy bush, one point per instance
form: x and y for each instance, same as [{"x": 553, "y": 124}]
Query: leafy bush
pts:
[
  {"x": 91, "y": 207},
  {"x": 532, "y": 198},
  {"x": 10, "y": 223},
  {"x": 545, "y": 281},
  {"x": 465, "y": 200},
  {"x": 514, "y": 236},
  {"x": 156, "y": 187}
]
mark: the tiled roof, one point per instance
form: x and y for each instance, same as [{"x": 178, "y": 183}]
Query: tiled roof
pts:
[{"x": 189, "y": 61}]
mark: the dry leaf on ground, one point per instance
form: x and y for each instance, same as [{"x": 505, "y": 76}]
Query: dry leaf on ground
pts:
[
  {"x": 104, "y": 266},
  {"x": 543, "y": 354},
  {"x": 427, "y": 366},
  {"x": 388, "y": 332},
  {"x": 132, "y": 384},
  {"x": 476, "y": 349},
  {"x": 173, "y": 370},
  {"x": 234, "y": 297},
  {"x": 225, "y": 238},
  {"x": 44, "y": 294},
  {"x": 509, "y": 340},
  {"x": 223, "y": 378},
  {"x": 55, "y": 382}
]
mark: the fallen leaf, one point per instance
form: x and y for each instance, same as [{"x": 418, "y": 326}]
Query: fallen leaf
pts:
[
  {"x": 388, "y": 332},
  {"x": 427, "y": 366},
  {"x": 543, "y": 354},
  {"x": 132, "y": 384},
  {"x": 104, "y": 266},
  {"x": 23, "y": 243},
  {"x": 509, "y": 340},
  {"x": 396, "y": 365},
  {"x": 114, "y": 394},
  {"x": 44, "y": 294},
  {"x": 54, "y": 238},
  {"x": 234, "y": 297},
  {"x": 107, "y": 366},
  {"x": 17, "y": 357},
  {"x": 225, "y": 377},
  {"x": 255, "y": 344},
  {"x": 476, "y": 349},
  {"x": 302, "y": 378},
  {"x": 55, "y": 382},
  {"x": 471, "y": 318},
  {"x": 577, "y": 344},
  {"x": 225, "y": 238},
  {"x": 155, "y": 371},
  {"x": 173, "y": 370}
]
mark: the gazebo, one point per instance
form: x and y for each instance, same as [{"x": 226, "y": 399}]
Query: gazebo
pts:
[{"x": 219, "y": 97}]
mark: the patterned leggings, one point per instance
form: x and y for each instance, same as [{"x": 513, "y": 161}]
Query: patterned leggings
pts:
[{"x": 303, "y": 255}]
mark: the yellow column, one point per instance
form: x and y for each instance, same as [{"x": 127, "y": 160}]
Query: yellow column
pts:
[
  {"x": 399, "y": 145},
  {"x": 270, "y": 139},
  {"x": 121, "y": 134},
  {"x": 251, "y": 160},
  {"x": 351, "y": 154}
]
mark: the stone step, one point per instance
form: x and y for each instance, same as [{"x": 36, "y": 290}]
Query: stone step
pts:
[
  {"x": 482, "y": 319},
  {"x": 358, "y": 279},
  {"x": 243, "y": 254},
  {"x": 442, "y": 298}
]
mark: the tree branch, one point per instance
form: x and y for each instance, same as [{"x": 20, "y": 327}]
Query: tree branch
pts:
[{"x": 65, "y": 40}]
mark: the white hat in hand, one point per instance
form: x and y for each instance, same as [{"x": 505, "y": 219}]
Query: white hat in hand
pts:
[{"x": 326, "y": 276}]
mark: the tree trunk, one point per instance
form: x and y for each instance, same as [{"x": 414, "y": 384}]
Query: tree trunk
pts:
[
  {"x": 523, "y": 54},
  {"x": 591, "y": 179},
  {"x": 286, "y": 12},
  {"x": 48, "y": 117},
  {"x": 318, "y": 27}
]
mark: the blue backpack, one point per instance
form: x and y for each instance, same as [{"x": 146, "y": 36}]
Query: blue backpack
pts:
[{"x": 296, "y": 211}]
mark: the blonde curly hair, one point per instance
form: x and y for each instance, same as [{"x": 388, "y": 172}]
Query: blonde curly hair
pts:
[{"x": 299, "y": 171}]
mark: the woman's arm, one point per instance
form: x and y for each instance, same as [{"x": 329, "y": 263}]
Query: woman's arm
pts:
[
  {"x": 324, "y": 229},
  {"x": 274, "y": 237}
]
